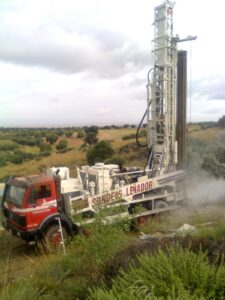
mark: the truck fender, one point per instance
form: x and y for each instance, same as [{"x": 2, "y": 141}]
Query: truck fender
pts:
[{"x": 65, "y": 221}]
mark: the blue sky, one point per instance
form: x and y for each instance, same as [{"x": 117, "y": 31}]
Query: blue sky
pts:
[{"x": 76, "y": 62}]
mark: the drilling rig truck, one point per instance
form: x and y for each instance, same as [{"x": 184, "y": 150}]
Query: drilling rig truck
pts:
[{"x": 37, "y": 206}]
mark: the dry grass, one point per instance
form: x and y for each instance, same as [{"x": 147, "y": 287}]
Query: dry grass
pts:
[
  {"x": 193, "y": 127},
  {"x": 76, "y": 157},
  {"x": 71, "y": 159},
  {"x": 16, "y": 257},
  {"x": 207, "y": 135}
]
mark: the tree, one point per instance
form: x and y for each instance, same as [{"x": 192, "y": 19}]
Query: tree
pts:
[
  {"x": 80, "y": 134},
  {"x": 59, "y": 132},
  {"x": 51, "y": 138},
  {"x": 100, "y": 152},
  {"x": 91, "y": 138},
  {"x": 62, "y": 145},
  {"x": 91, "y": 129},
  {"x": 68, "y": 133},
  {"x": 91, "y": 135},
  {"x": 117, "y": 160},
  {"x": 221, "y": 122}
]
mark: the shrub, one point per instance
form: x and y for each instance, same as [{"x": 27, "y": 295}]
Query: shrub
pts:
[
  {"x": 39, "y": 141},
  {"x": 177, "y": 274},
  {"x": 25, "y": 141},
  {"x": 59, "y": 132},
  {"x": 143, "y": 133},
  {"x": 117, "y": 160},
  {"x": 62, "y": 145},
  {"x": 129, "y": 136},
  {"x": 8, "y": 147},
  {"x": 80, "y": 134},
  {"x": 100, "y": 152},
  {"x": 19, "y": 156},
  {"x": 16, "y": 159},
  {"x": 220, "y": 154},
  {"x": 213, "y": 166},
  {"x": 3, "y": 162},
  {"x": 51, "y": 138},
  {"x": 45, "y": 147},
  {"x": 3, "y": 158},
  {"x": 45, "y": 153},
  {"x": 68, "y": 133},
  {"x": 70, "y": 276}
]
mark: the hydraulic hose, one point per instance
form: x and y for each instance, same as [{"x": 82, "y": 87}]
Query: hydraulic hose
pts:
[
  {"x": 140, "y": 124},
  {"x": 138, "y": 129}
]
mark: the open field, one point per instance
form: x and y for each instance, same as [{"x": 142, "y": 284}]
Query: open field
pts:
[
  {"x": 207, "y": 135},
  {"x": 75, "y": 157}
]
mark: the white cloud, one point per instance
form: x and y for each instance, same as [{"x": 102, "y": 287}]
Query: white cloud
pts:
[{"x": 85, "y": 62}]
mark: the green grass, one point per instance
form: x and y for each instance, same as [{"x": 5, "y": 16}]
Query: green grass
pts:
[
  {"x": 177, "y": 274},
  {"x": 83, "y": 273},
  {"x": 214, "y": 232},
  {"x": 66, "y": 276}
]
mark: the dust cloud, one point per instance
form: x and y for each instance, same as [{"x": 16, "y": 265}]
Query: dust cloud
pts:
[{"x": 205, "y": 189}]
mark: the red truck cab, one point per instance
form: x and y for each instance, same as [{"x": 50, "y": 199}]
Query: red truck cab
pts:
[{"x": 31, "y": 205}]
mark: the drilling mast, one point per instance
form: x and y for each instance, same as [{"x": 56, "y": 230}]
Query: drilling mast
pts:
[{"x": 161, "y": 115}]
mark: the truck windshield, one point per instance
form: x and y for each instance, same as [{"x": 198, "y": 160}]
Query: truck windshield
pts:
[{"x": 15, "y": 195}]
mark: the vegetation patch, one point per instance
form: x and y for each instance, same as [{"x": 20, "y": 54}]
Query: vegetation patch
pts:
[
  {"x": 175, "y": 274},
  {"x": 69, "y": 276}
]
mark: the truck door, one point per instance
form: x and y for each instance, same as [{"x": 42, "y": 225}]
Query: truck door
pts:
[{"x": 41, "y": 203}]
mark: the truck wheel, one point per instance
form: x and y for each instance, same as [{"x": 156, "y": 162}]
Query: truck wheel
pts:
[
  {"x": 53, "y": 238},
  {"x": 160, "y": 204},
  {"x": 142, "y": 221}
]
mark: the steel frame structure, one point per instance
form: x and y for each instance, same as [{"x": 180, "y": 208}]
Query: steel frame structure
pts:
[{"x": 161, "y": 114}]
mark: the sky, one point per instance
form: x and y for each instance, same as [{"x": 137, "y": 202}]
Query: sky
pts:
[{"x": 84, "y": 62}]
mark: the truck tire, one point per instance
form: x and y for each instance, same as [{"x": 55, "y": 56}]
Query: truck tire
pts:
[
  {"x": 160, "y": 204},
  {"x": 142, "y": 221},
  {"x": 53, "y": 238}
]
